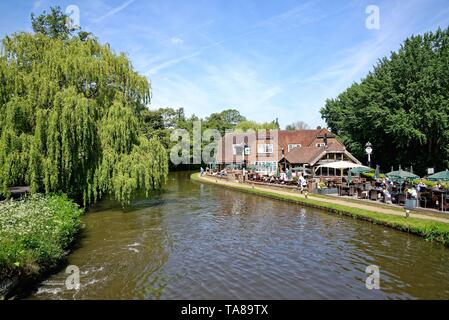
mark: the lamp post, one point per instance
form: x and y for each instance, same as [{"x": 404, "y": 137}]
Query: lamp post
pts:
[
  {"x": 369, "y": 151},
  {"x": 245, "y": 155}
]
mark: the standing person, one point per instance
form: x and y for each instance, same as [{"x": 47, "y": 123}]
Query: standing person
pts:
[{"x": 302, "y": 183}]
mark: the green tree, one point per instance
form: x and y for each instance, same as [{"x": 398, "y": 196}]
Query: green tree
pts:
[
  {"x": 225, "y": 120},
  {"x": 54, "y": 24},
  {"x": 253, "y": 125},
  {"x": 71, "y": 117},
  {"x": 298, "y": 125},
  {"x": 401, "y": 107}
]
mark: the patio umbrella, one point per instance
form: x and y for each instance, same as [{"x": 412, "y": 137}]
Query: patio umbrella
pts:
[
  {"x": 278, "y": 173},
  {"x": 340, "y": 165},
  {"x": 440, "y": 176},
  {"x": 349, "y": 177},
  {"x": 401, "y": 175},
  {"x": 359, "y": 170},
  {"x": 377, "y": 173},
  {"x": 289, "y": 175}
]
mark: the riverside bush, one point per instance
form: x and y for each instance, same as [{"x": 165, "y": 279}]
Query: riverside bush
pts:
[{"x": 35, "y": 233}]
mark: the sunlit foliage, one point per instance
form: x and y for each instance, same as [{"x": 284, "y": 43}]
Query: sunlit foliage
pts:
[{"x": 70, "y": 120}]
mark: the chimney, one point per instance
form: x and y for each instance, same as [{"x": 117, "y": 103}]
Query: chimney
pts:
[{"x": 318, "y": 128}]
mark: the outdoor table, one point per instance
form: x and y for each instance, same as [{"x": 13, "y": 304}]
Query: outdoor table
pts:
[
  {"x": 346, "y": 190},
  {"x": 374, "y": 193},
  {"x": 442, "y": 196}
]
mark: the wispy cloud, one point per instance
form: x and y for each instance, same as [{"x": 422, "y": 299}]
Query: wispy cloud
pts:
[
  {"x": 176, "y": 40},
  {"x": 37, "y": 4},
  {"x": 113, "y": 11},
  {"x": 292, "y": 18}
]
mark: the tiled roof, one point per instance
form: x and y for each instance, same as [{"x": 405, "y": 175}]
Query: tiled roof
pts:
[
  {"x": 303, "y": 137},
  {"x": 308, "y": 154}
]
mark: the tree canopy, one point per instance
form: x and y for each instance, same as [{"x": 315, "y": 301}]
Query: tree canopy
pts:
[
  {"x": 298, "y": 125},
  {"x": 71, "y": 117},
  {"x": 253, "y": 125},
  {"x": 401, "y": 107}
]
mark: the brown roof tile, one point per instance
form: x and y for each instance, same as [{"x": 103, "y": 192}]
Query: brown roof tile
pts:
[{"x": 308, "y": 154}]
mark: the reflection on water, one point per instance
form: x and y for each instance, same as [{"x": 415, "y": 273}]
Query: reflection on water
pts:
[{"x": 197, "y": 241}]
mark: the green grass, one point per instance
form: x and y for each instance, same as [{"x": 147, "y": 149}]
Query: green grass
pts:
[
  {"x": 35, "y": 233},
  {"x": 430, "y": 230}
]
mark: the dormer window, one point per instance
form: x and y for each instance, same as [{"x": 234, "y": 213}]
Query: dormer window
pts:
[
  {"x": 293, "y": 146},
  {"x": 320, "y": 145}
]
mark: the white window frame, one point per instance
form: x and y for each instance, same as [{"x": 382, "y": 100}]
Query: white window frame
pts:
[
  {"x": 265, "y": 148},
  {"x": 293, "y": 146},
  {"x": 320, "y": 145},
  {"x": 234, "y": 150}
]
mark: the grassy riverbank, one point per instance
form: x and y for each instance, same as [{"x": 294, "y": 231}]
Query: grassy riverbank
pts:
[
  {"x": 35, "y": 234},
  {"x": 429, "y": 229}
]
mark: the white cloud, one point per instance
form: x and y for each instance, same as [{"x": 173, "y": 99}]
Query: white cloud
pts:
[
  {"x": 113, "y": 11},
  {"x": 176, "y": 40},
  {"x": 37, "y": 5}
]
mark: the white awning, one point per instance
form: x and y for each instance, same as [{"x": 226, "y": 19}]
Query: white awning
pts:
[{"x": 340, "y": 165}]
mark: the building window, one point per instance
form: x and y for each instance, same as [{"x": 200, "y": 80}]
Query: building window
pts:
[
  {"x": 237, "y": 150},
  {"x": 265, "y": 148},
  {"x": 293, "y": 146},
  {"x": 319, "y": 145},
  {"x": 247, "y": 151}
]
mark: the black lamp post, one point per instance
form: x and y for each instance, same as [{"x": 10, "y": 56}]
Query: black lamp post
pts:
[
  {"x": 369, "y": 151},
  {"x": 245, "y": 155}
]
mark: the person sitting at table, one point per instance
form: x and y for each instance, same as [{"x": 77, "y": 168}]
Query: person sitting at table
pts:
[
  {"x": 421, "y": 186},
  {"x": 413, "y": 193},
  {"x": 389, "y": 184}
]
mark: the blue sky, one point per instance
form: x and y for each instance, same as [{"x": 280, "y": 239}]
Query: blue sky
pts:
[{"x": 267, "y": 58}]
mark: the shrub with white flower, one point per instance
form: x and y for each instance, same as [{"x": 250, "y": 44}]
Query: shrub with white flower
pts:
[{"x": 35, "y": 233}]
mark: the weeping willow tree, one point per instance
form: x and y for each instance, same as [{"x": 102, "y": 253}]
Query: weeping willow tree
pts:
[{"x": 70, "y": 120}]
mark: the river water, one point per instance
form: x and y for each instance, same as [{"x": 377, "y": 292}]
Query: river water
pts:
[{"x": 199, "y": 241}]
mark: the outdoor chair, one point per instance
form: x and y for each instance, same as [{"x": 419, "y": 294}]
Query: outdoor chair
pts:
[
  {"x": 445, "y": 206},
  {"x": 351, "y": 191},
  {"x": 361, "y": 194},
  {"x": 400, "y": 199},
  {"x": 373, "y": 195},
  {"x": 425, "y": 199}
]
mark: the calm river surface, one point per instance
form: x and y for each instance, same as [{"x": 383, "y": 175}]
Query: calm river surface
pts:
[{"x": 197, "y": 241}]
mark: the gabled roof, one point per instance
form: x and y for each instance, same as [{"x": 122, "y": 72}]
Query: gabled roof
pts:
[
  {"x": 303, "y": 137},
  {"x": 312, "y": 154},
  {"x": 303, "y": 154}
]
